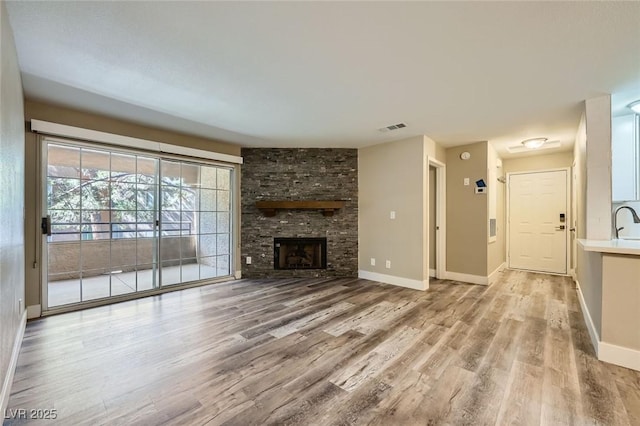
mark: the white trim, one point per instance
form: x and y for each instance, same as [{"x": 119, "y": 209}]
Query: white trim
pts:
[
  {"x": 432, "y": 272},
  {"x": 593, "y": 333},
  {"x": 466, "y": 278},
  {"x": 34, "y": 311},
  {"x": 391, "y": 279},
  {"x": 13, "y": 362},
  {"x": 441, "y": 217},
  {"x": 619, "y": 355},
  {"x": 492, "y": 276},
  {"x": 238, "y": 275},
  {"x": 425, "y": 216},
  {"x": 46, "y": 127},
  {"x": 567, "y": 222}
]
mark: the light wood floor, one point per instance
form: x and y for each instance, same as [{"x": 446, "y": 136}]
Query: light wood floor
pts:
[{"x": 322, "y": 351}]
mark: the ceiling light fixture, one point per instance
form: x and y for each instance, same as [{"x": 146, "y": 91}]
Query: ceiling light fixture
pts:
[
  {"x": 534, "y": 143},
  {"x": 635, "y": 106}
]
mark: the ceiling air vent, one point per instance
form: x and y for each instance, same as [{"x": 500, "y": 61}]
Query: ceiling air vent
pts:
[{"x": 393, "y": 127}]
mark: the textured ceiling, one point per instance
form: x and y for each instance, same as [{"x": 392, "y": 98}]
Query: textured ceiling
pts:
[{"x": 330, "y": 74}]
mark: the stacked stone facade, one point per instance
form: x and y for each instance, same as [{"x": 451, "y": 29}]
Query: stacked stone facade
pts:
[{"x": 299, "y": 174}]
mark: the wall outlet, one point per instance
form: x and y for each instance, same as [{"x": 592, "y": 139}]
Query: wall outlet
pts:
[
  {"x": 392, "y": 215},
  {"x": 248, "y": 260},
  {"x": 388, "y": 264},
  {"x": 466, "y": 181},
  {"x": 373, "y": 261}
]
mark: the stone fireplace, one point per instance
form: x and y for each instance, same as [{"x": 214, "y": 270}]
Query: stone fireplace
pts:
[{"x": 299, "y": 175}]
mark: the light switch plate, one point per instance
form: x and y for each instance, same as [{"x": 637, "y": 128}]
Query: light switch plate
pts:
[
  {"x": 373, "y": 261},
  {"x": 388, "y": 264},
  {"x": 466, "y": 181},
  {"x": 248, "y": 260},
  {"x": 392, "y": 215}
]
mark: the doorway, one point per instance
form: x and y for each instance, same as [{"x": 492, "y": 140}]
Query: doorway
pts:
[
  {"x": 118, "y": 222},
  {"x": 538, "y": 222}
]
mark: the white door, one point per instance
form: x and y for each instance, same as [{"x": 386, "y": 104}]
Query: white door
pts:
[{"x": 538, "y": 221}]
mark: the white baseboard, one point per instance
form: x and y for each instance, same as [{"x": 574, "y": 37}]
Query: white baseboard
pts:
[
  {"x": 391, "y": 279},
  {"x": 466, "y": 278},
  {"x": 432, "y": 273},
  {"x": 34, "y": 311},
  {"x": 573, "y": 275},
  {"x": 593, "y": 333},
  {"x": 619, "y": 355},
  {"x": 13, "y": 362},
  {"x": 494, "y": 275}
]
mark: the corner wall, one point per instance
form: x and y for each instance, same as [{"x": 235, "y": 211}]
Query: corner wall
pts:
[
  {"x": 391, "y": 177},
  {"x": 12, "y": 313},
  {"x": 598, "y": 163},
  {"x": 588, "y": 264},
  {"x": 467, "y": 212}
]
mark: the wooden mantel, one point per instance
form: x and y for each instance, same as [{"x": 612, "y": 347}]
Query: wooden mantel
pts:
[{"x": 269, "y": 208}]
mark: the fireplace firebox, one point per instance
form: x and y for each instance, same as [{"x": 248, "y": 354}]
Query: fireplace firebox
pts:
[{"x": 300, "y": 253}]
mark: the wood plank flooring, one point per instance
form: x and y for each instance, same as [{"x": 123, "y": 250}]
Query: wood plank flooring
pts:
[{"x": 327, "y": 352}]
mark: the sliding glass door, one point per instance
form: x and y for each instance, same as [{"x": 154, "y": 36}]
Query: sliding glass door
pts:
[{"x": 124, "y": 222}]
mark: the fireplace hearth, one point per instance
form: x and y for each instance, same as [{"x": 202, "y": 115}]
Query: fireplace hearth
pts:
[{"x": 300, "y": 253}]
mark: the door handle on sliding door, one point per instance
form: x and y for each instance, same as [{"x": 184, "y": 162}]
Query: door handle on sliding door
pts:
[{"x": 45, "y": 225}]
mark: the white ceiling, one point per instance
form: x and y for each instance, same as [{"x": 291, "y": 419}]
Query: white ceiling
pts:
[{"x": 325, "y": 74}]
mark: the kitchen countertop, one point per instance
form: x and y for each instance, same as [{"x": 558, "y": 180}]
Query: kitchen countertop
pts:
[{"x": 612, "y": 246}]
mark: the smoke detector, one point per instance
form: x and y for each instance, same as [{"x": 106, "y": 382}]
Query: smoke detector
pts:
[{"x": 393, "y": 127}]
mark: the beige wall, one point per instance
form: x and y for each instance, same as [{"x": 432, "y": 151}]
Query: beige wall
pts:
[
  {"x": 57, "y": 114},
  {"x": 467, "y": 215},
  {"x": 589, "y": 272},
  {"x": 592, "y": 157},
  {"x": 11, "y": 203},
  {"x": 621, "y": 300},
  {"x": 496, "y": 253},
  {"x": 391, "y": 177},
  {"x": 588, "y": 264},
  {"x": 538, "y": 162}
]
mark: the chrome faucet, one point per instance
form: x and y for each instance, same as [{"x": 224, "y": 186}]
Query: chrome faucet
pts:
[{"x": 636, "y": 219}]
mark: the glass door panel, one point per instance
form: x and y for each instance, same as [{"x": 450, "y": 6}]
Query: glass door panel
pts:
[
  {"x": 101, "y": 244},
  {"x": 122, "y": 223}
]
